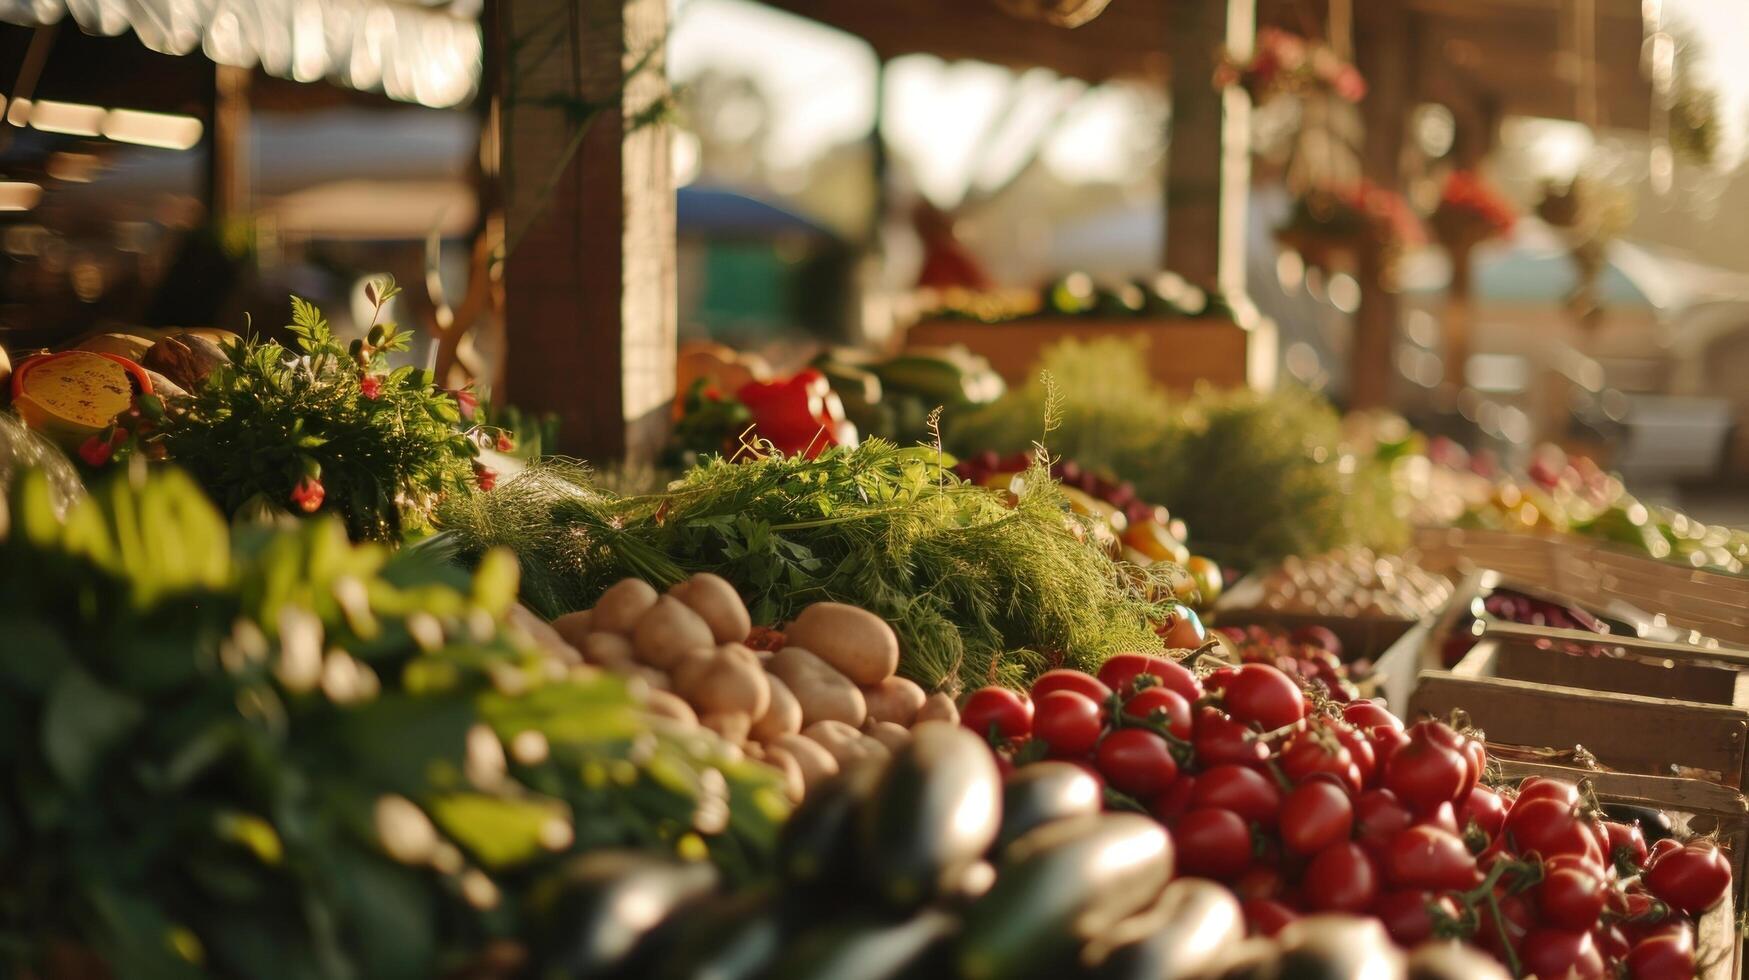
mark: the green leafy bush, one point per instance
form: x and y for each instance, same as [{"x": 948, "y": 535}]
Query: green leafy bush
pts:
[{"x": 280, "y": 755}]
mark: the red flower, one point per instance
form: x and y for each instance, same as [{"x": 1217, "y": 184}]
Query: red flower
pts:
[
  {"x": 308, "y": 494},
  {"x": 467, "y": 402},
  {"x": 370, "y": 387},
  {"x": 486, "y": 476},
  {"x": 505, "y": 443},
  {"x": 96, "y": 451}
]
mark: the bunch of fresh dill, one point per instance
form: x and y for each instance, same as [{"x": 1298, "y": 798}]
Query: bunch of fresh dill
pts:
[{"x": 979, "y": 587}]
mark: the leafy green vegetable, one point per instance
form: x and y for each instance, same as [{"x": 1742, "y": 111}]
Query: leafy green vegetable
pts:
[
  {"x": 276, "y": 754},
  {"x": 381, "y": 443},
  {"x": 977, "y": 590},
  {"x": 1256, "y": 477}
]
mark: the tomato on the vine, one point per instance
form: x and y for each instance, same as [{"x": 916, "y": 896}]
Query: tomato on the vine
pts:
[
  {"x": 1167, "y": 806},
  {"x": 1064, "y": 679},
  {"x": 1212, "y": 843},
  {"x": 1484, "y": 809},
  {"x": 1360, "y": 749},
  {"x": 1219, "y": 739},
  {"x": 1315, "y": 815},
  {"x": 1136, "y": 761},
  {"x": 1549, "y": 952},
  {"x": 1549, "y": 827},
  {"x": 1340, "y": 879},
  {"x": 1627, "y": 842},
  {"x": 1161, "y": 704},
  {"x": 1366, "y": 715},
  {"x": 1667, "y": 954},
  {"x": 1409, "y": 915},
  {"x": 1259, "y": 881},
  {"x": 1571, "y": 897},
  {"x": 1379, "y": 817},
  {"x": 1429, "y": 770},
  {"x": 1428, "y": 857},
  {"x": 1316, "y": 750},
  {"x": 1260, "y": 694},
  {"x": 1243, "y": 790},
  {"x": 1543, "y": 787},
  {"x": 1266, "y": 917},
  {"x": 1068, "y": 722},
  {"x": 1119, "y": 672},
  {"x": 998, "y": 712},
  {"x": 1692, "y": 878}
]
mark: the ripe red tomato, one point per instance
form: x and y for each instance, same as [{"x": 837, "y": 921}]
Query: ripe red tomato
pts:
[
  {"x": 1571, "y": 898},
  {"x": 1260, "y": 694},
  {"x": 1172, "y": 802},
  {"x": 1662, "y": 847},
  {"x": 1516, "y": 920},
  {"x": 1427, "y": 771},
  {"x": 1242, "y": 790},
  {"x": 1365, "y": 715},
  {"x": 1542, "y": 787},
  {"x": 1137, "y": 762},
  {"x": 1211, "y": 843},
  {"x": 1120, "y": 671},
  {"x": 1063, "y": 679},
  {"x": 1627, "y": 842},
  {"x": 1316, "y": 815},
  {"x": 1219, "y": 739},
  {"x": 1408, "y": 915},
  {"x": 1340, "y": 879},
  {"x": 1266, "y": 917},
  {"x": 1483, "y": 809},
  {"x": 1218, "y": 678},
  {"x": 1428, "y": 857},
  {"x": 1548, "y": 952},
  {"x": 997, "y": 713},
  {"x": 1612, "y": 942},
  {"x": 1316, "y": 750},
  {"x": 1385, "y": 743},
  {"x": 1692, "y": 878},
  {"x": 1550, "y": 827},
  {"x": 1068, "y": 722},
  {"x": 1161, "y": 705},
  {"x": 1476, "y": 757},
  {"x": 1359, "y": 749},
  {"x": 1379, "y": 817},
  {"x": 1667, "y": 954},
  {"x": 1259, "y": 881}
]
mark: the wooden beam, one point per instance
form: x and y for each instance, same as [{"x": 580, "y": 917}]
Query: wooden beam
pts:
[
  {"x": 1208, "y": 168},
  {"x": 589, "y": 205},
  {"x": 1384, "y": 54}
]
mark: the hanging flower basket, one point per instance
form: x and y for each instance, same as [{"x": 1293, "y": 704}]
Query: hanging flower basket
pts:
[
  {"x": 1332, "y": 228},
  {"x": 1287, "y": 64},
  {"x": 1470, "y": 212},
  {"x": 1062, "y": 13}
]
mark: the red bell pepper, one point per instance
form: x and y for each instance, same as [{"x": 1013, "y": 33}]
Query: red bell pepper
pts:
[{"x": 799, "y": 414}]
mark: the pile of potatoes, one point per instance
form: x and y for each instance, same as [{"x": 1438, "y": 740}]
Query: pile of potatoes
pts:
[{"x": 828, "y": 697}]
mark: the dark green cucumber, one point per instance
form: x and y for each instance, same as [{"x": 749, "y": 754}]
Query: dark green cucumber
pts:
[
  {"x": 868, "y": 947},
  {"x": 1194, "y": 923},
  {"x": 935, "y": 812},
  {"x": 1037, "y": 794},
  {"x": 597, "y": 908},
  {"x": 1059, "y": 886},
  {"x": 818, "y": 843}
]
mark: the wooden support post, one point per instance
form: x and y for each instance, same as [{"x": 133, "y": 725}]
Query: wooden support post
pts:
[
  {"x": 589, "y": 206},
  {"x": 1208, "y": 171},
  {"x": 1383, "y": 55},
  {"x": 1477, "y": 126},
  {"x": 228, "y": 166}
]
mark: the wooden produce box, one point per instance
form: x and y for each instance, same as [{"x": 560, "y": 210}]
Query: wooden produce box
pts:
[
  {"x": 1597, "y": 575},
  {"x": 1179, "y": 351},
  {"x": 1393, "y": 645},
  {"x": 1695, "y": 808},
  {"x": 1665, "y": 709}
]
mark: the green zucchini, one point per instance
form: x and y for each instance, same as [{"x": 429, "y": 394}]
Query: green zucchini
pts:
[
  {"x": 935, "y": 812},
  {"x": 1193, "y": 924},
  {"x": 869, "y": 947},
  {"x": 733, "y": 937},
  {"x": 1060, "y": 885},
  {"x": 1037, "y": 794},
  {"x": 596, "y": 909}
]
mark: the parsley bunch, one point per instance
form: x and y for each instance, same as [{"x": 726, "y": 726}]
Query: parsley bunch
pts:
[{"x": 328, "y": 427}]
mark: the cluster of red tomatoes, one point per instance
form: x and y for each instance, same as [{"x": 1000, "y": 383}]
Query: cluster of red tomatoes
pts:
[
  {"x": 1313, "y": 654},
  {"x": 1341, "y": 809}
]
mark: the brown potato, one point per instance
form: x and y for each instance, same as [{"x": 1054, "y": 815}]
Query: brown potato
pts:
[
  {"x": 782, "y": 717},
  {"x": 670, "y": 705},
  {"x": 667, "y": 631},
  {"x": 731, "y": 725},
  {"x": 895, "y": 699},
  {"x": 857, "y": 642},
  {"x": 843, "y": 741},
  {"x": 779, "y": 758},
  {"x": 622, "y": 604},
  {"x": 730, "y": 681},
  {"x": 894, "y": 737},
  {"x": 575, "y": 627},
  {"x": 815, "y": 762},
  {"x": 823, "y": 693},
  {"x": 938, "y": 707},
  {"x": 717, "y": 602}
]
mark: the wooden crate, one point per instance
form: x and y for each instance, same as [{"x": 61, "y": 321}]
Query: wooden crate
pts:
[
  {"x": 1662, "y": 710},
  {"x": 1696, "y": 808},
  {"x": 1179, "y": 351},
  {"x": 1393, "y": 645}
]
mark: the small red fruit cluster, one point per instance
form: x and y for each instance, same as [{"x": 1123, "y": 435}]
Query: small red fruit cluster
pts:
[
  {"x": 1312, "y": 654},
  {"x": 1303, "y": 808}
]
